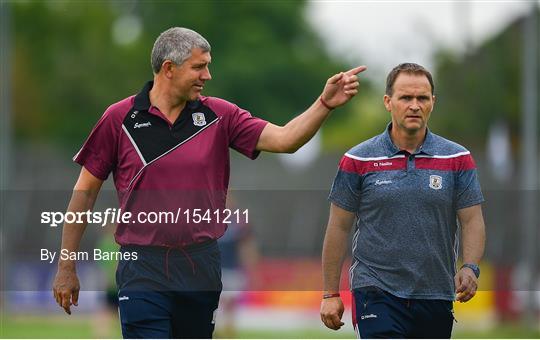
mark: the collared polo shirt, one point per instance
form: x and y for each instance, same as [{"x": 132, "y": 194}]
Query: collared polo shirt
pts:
[
  {"x": 159, "y": 166},
  {"x": 405, "y": 204}
]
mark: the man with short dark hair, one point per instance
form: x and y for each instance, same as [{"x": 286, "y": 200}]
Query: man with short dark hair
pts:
[
  {"x": 168, "y": 149},
  {"x": 405, "y": 187}
]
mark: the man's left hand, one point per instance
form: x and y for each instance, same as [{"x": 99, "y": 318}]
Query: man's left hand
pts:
[
  {"x": 341, "y": 87},
  {"x": 466, "y": 284}
]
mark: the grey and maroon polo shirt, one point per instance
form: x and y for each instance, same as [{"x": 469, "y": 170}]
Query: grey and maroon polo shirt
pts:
[
  {"x": 160, "y": 167},
  {"x": 405, "y": 235}
]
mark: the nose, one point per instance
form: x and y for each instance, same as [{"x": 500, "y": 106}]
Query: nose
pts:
[
  {"x": 206, "y": 74},
  {"x": 414, "y": 105}
]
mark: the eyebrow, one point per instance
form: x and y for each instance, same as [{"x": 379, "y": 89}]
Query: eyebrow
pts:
[{"x": 421, "y": 96}]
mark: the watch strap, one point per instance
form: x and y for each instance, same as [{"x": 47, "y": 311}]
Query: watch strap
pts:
[{"x": 474, "y": 267}]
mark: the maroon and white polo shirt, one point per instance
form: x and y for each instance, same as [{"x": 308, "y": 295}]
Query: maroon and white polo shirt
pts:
[{"x": 162, "y": 167}]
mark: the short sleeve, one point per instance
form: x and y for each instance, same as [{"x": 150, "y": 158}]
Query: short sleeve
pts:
[
  {"x": 468, "y": 191},
  {"x": 345, "y": 192},
  {"x": 244, "y": 132},
  {"x": 99, "y": 153}
]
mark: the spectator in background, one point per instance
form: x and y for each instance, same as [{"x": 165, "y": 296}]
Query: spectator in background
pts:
[
  {"x": 106, "y": 318},
  {"x": 239, "y": 257}
]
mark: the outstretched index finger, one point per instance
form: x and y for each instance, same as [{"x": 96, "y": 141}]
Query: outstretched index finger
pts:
[{"x": 356, "y": 70}]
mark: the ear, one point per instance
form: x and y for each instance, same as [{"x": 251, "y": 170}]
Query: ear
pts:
[
  {"x": 432, "y": 106},
  {"x": 387, "y": 103},
  {"x": 167, "y": 68}
]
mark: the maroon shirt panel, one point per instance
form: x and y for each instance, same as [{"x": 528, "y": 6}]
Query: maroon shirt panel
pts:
[
  {"x": 194, "y": 175},
  {"x": 174, "y": 182},
  {"x": 244, "y": 129},
  {"x": 99, "y": 153}
]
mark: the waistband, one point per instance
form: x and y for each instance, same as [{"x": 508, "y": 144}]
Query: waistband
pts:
[{"x": 165, "y": 250}]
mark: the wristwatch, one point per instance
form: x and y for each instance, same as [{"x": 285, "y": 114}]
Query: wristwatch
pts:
[{"x": 473, "y": 267}]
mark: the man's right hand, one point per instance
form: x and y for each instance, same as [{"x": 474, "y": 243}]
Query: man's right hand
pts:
[
  {"x": 341, "y": 87},
  {"x": 66, "y": 288},
  {"x": 331, "y": 312}
]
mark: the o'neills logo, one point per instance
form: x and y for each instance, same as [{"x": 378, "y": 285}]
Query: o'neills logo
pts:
[
  {"x": 382, "y": 163},
  {"x": 142, "y": 125}
]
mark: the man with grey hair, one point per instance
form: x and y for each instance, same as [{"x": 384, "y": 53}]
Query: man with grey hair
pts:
[
  {"x": 168, "y": 149},
  {"x": 405, "y": 188},
  {"x": 175, "y": 44}
]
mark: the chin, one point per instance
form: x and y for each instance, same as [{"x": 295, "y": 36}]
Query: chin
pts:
[{"x": 413, "y": 128}]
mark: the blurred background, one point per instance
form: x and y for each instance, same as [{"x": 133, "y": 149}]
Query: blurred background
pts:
[{"x": 64, "y": 62}]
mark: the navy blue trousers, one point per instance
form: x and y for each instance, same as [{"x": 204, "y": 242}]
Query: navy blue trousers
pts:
[
  {"x": 379, "y": 314},
  {"x": 169, "y": 293}
]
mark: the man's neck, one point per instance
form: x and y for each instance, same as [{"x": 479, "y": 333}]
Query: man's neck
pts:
[
  {"x": 162, "y": 98},
  {"x": 409, "y": 142}
]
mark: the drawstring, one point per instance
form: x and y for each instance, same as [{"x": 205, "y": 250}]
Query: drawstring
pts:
[
  {"x": 189, "y": 259},
  {"x": 185, "y": 254},
  {"x": 167, "y": 263}
]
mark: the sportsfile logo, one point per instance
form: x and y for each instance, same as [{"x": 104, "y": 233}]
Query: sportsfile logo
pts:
[
  {"x": 368, "y": 316},
  {"x": 113, "y": 215},
  {"x": 142, "y": 125}
]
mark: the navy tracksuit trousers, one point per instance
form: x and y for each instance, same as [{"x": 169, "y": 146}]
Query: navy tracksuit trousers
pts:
[
  {"x": 169, "y": 293},
  {"x": 379, "y": 314}
]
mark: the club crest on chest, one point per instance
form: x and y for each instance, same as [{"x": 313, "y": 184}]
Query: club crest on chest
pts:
[
  {"x": 435, "y": 182},
  {"x": 198, "y": 119}
]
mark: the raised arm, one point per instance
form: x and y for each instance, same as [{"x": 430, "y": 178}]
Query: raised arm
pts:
[
  {"x": 334, "y": 248},
  {"x": 66, "y": 284},
  {"x": 339, "y": 89}
]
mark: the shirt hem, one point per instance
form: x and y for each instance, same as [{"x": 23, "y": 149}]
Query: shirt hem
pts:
[
  {"x": 470, "y": 204},
  {"x": 254, "y": 152},
  {"x": 91, "y": 169},
  {"x": 447, "y": 297},
  {"x": 341, "y": 205}
]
